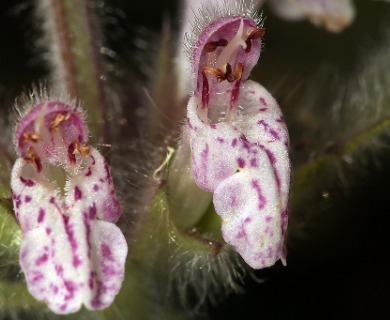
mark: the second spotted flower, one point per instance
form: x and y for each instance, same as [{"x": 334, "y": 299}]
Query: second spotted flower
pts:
[{"x": 239, "y": 141}]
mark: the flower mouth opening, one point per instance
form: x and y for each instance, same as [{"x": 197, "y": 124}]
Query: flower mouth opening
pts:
[
  {"x": 225, "y": 60},
  {"x": 52, "y": 133}
]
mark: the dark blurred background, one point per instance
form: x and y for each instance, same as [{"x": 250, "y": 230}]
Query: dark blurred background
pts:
[{"x": 338, "y": 259}]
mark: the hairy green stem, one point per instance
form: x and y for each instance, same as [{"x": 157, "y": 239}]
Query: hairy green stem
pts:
[
  {"x": 71, "y": 33},
  {"x": 166, "y": 111}
]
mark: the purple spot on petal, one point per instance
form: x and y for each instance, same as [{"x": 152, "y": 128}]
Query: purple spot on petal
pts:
[
  {"x": 272, "y": 158},
  {"x": 95, "y": 187},
  {"x": 48, "y": 231},
  {"x": 245, "y": 143},
  {"x": 91, "y": 280},
  {"x": 263, "y": 109},
  {"x": 269, "y": 129},
  {"x": 71, "y": 288},
  {"x": 268, "y": 219},
  {"x": 41, "y": 215},
  {"x": 106, "y": 252},
  {"x": 89, "y": 172},
  {"x": 70, "y": 235},
  {"x": 17, "y": 200},
  {"x": 41, "y": 260},
  {"x": 189, "y": 123},
  {"x": 109, "y": 271},
  {"x": 96, "y": 302},
  {"x": 254, "y": 163},
  {"x": 234, "y": 142},
  {"x": 284, "y": 215},
  {"x": 241, "y": 234},
  {"x": 77, "y": 193},
  {"x": 270, "y": 252},
  {"x": 263, "y": 102},
  {"x": 220, "y": 140},
  {"x": 37, "y": 277},
  {"x": 27, "y": 182},
  {"x": 241, "y": 162},
  {"x": 59, "y": 270},
  {"x": 27, "y": 199},
  {"x": 269, "y": 231},
  {"x": 76, "y": 261},
  {"x": 247, "y": 220},
  {"x": 108, "y": 176},
  {"x": 54, "y": 288},
  {"x": 205, "y": 151},
  {"x": 204, "y": 162},
  {"x": 87, "y": 233},
  {"x": 260, "y": 196},
  {"x": 92, "y": 211}
]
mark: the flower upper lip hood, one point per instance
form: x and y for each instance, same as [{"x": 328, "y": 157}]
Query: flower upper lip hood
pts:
[
  {"x": 47, "y": 130},
  {"x": 223, "y": 58}
]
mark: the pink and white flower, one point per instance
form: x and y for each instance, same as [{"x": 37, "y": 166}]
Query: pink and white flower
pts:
[
  {"x": 65, "y": 202},
  {"x": 239, "y": 141}
]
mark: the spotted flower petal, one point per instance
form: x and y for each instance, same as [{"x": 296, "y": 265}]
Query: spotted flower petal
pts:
[
  {"x": 65, "y": 202},
  {"x": 239, "y": 141},
  {"x": 246, "y": 164}
]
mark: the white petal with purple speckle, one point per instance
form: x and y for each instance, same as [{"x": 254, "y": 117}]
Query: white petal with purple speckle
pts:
[
  {"x": 239, "y": 141},
  {"x": 246, "y": 164},
  {"x": 72, "y": 253}
]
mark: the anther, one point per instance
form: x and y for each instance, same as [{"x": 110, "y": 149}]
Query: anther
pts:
[
  {"x": 218, "y": 73},
  {"x": 226, "y": 74},
  {"x": 238, "y": 73},
  {"x": 58, "y": 119},
  {"x": 213, "y": 45},
  {"x": 255, "y": 34},
  {"x": 30, "y": 136},
  {"x": 76, "y": 147},
  {"x": 82, "y": 149},
  {"x": 30, "y": 155}
]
